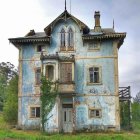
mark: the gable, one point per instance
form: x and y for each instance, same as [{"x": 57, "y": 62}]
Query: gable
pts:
[{"x": 64, "y": 17}]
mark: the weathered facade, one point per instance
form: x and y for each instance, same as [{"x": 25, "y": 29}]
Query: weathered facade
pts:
[{"x": 85, "y": 64}]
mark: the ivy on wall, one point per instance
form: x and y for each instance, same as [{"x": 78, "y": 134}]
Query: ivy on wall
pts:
[{"x": 49, "y": 92}]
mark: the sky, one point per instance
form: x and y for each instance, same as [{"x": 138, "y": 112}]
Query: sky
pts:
[{"x": 18, "y": 17}]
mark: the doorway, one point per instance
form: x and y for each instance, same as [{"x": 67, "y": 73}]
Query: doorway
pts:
[{"x": 67, "y": 118}]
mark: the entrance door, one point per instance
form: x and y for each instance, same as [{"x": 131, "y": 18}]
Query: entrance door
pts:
[{"x": 67, "y": 120}]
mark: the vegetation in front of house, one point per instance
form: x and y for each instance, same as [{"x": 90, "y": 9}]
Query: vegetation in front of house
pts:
[
  {"x": 47, "y": 98},
  {"x": 7, "y": 72},
  {"x": 12, "y": 134},
  {"x": 8, "y": 117},
  {"x": 10, "y": 110},
  {"x": 9, "y": 92}
]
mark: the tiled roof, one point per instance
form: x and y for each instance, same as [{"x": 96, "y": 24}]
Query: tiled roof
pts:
[
  {"x": 36, "y": 37},
  {"x": 104, "y": 35}
]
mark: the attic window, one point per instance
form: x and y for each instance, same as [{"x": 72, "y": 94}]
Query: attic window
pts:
[{"x": 94, "y": 45}]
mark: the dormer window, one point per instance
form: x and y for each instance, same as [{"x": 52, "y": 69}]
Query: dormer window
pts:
[
  {"x": 63, "y": 41},
  {"x": 70, "y": 40}
]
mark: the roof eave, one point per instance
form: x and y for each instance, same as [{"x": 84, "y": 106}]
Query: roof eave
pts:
[{"x": 16, "y": 41}]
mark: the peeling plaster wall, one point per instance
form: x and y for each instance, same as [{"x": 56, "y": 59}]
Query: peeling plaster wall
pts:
[
  {"x": 106, "y": 104},
  {"x": 98, "y": 96}
]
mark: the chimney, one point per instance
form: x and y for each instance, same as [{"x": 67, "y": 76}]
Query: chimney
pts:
[{"x": 97, "y": 27}]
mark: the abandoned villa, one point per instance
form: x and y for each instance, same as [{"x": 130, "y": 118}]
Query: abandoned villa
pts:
[{"x": 84, "y": 61}]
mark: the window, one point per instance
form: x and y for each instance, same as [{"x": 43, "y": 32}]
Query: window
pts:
[
  {"x": 50, "y": 72},
  {"x": 66, "y": 40},
  {"x": 94, "y": 45},
  {"x": 94, "y": 75},
  {"x": 70, "y": 40},
  {"x": 35, "y": 112},
  {"x": 38, "y": 76},
  {"x": 94, "y": 113},
  {"x": 66, "y": 72},
  {"x": 63, "y": 43},
  {"x": 40, "y": 48}
]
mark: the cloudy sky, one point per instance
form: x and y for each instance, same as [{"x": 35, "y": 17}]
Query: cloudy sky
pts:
[{"x": 20, "y": 16}]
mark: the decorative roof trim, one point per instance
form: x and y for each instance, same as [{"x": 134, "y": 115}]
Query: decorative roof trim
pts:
[
  {"x": 29, "y": 40},
  {"x": 65, "y": 15},
  {"x": 104, "y": 36}
]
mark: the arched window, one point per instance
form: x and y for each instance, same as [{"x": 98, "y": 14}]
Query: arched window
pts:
[
  {"x": 63, "y": 42},
  {"x": 70, "y": 39}
]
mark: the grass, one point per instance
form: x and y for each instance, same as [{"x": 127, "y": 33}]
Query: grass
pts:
[{"x": 6, "y": 133}]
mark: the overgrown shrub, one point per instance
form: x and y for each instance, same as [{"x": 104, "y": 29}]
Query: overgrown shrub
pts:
[{"x": 10, "y": 111}]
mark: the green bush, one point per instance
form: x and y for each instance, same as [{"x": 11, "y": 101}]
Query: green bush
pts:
[
  {"x": 135, "y": 111},
  {"x": 10, "y": 110}
]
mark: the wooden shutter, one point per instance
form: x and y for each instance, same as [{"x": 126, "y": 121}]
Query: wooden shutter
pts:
[{"x": 66, "y": 72}]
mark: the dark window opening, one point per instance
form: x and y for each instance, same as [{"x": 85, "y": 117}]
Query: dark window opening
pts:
[
  {"x": 38, "y": 76},
  {"x": 67, "y": 105},
  {"x": 39, "y": 48},
  {"x": 64, "y": 116}
]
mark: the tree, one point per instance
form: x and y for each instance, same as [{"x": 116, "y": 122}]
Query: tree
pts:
[
  {"x": 2, "y": 91},
  {"x": 7, "y": 72},
  {"x": 137, "y": 98},
  {"x": 136, "y": 108},
  {"x": 10, "y": 109},
  {"x": 47, "y": 98}
]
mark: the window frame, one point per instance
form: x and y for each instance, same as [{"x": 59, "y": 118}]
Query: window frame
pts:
[
  {"x": 35, "y": 115},
  {"x": 66, "y": 47},
  {"x": 37, "y": 82},
  {"x": 100, "y": 75},
  {"x": 70, "y": 37},
  {"x": 53, "y": 71},
  {"x": 95, "y": 116},
  {"x": 62, "y": 42}
]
